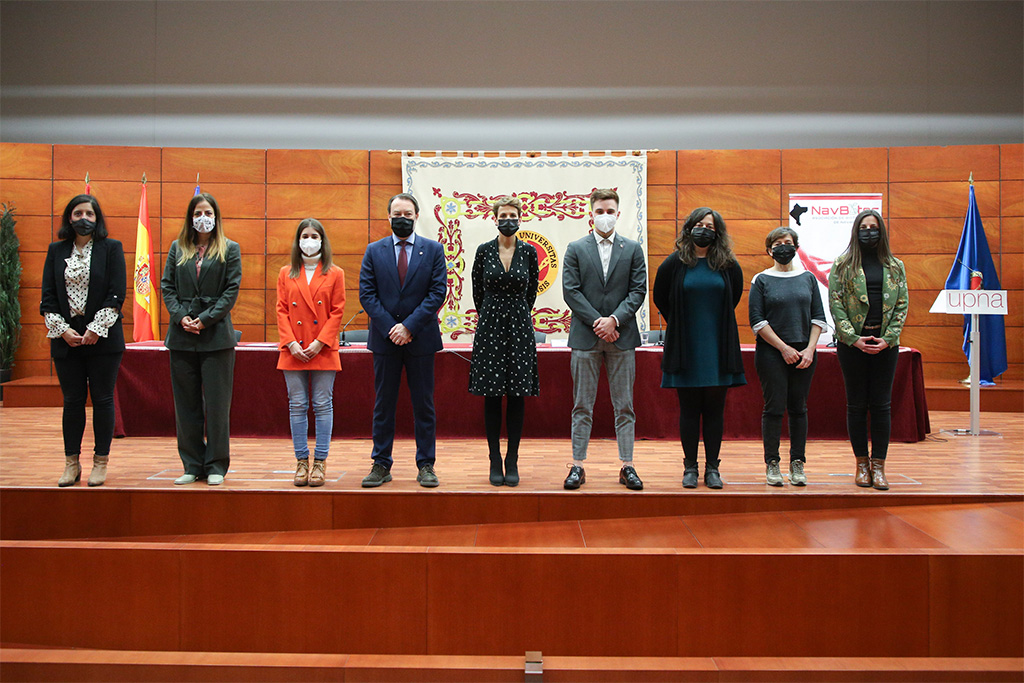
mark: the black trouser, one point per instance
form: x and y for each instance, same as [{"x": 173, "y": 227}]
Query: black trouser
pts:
[
  {"x": 202, "y": 383},
  {"x": 515, "y": 409},
  {"x": 868, "y": 381},
  {"x": 785, "y": 390},
  {"x": 701, "y": 406},
  {"x": 82, "y": 375}
]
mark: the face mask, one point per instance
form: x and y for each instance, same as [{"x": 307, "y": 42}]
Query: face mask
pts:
[
  {"x": 702, "y": 237},
  {"x": 401, "y": 226},
  {"x": 604, "y": 223},
  {"x": 83, "y": 226},
  {"x": 310, "y": 246},
  {"x": 203, "y": 223},
  {"x": 869, "y": 237},
  {"x": 508, "y": 226},
  {"x": 783, "y": 253}
]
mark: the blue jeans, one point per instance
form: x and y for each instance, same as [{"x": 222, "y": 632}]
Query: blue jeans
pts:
[{"x": 299, "y": 383}]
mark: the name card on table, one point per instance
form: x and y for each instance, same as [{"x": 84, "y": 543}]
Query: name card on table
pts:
[{"x": 971, "y": 301}]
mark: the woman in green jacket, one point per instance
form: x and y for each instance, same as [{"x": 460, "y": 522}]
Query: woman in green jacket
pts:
[{"x": 868, "y": 298}]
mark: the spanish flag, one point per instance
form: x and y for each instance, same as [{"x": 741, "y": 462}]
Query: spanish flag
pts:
[{"x": 147, "y": 323}]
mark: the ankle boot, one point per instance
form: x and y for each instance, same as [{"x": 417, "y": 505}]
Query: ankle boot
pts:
[
  {"x": 497, "y": 476},
  {"x": 878, "y": 479},
  {"x": 98, "y": 475},
  {"x": 72, "y": 471},
  {"x": 318, "y": 475},
  {"x": 301, "y": 472},
  {"x": 862, "y": 477},
  {"x": 512, "y": 469}
]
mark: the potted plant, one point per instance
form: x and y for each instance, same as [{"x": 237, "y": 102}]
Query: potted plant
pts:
[{"x": 10, "y": 283}]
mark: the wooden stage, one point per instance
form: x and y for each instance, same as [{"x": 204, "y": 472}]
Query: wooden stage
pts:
[{"x": 260, "y": 580}]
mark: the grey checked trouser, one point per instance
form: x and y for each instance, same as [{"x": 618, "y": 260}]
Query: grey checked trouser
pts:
[{"x": 586, "y": 369}]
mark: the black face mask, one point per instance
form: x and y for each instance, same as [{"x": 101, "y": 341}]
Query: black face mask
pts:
[
  {"x": 401, "y": 226},
  {"x": 870, "y": 237},
  {"x": 783, "y": 253},
  {"x": 83, "y": 226},
  {"x": 703, "y": 237},
  {"x": 508, "y": 226}
]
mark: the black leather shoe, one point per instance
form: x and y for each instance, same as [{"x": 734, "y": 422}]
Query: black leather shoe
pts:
[
  {"x": 512, "y": 470},
  {"x": 577, "y": 477},
  {"x": 690, "y": 476},
  {"x": 497, "y": 477},
  {"x": 377, "y": 476},
  {"x": 712, "y": 479},
  {"x": 628, "y": 476},
  {"x": 427, "y": 477}
]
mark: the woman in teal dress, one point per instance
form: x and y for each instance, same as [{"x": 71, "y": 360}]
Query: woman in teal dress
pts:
[{"x": 696, "y": 290}]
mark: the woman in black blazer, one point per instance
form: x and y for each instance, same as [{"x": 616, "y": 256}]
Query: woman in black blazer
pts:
[
  {"x": 200, "y": 286},
  {"x": 82, "y": 293}
]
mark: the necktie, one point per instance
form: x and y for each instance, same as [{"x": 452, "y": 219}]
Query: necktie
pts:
[{"x": 403, "y": 262}]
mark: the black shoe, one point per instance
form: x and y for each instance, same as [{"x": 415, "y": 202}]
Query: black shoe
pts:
[
  {"x": 577, "y": 477},
  {"x": 628, "y": 476},
  {"x": 690, "y": 478},
  {"x": 712, "y": 479},
  {"x": 497, "y": 477},
  {"x": 378, "y": 475},
  {"x": 512, "y": 470},
  {"x": 426, "y": 477}
]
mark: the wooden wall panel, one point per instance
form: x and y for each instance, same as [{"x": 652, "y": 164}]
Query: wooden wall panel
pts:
[
  {"x": 116, "y": 198},
  {"x": 1011, "y": 198},
  {"x": 253, "y": 271},
  {"x": 732, "y": 201},
  {"x": 249, "y": 308},
  {"x": 953, "y": 163},
  {"x": 862, "y": 165},
  {"x": 25, "y": 160},
  {"x": 72, "y": 162},
  {"x": 1011, "y": 162},
  {"x": 937, "y": 200},
  {"x": 934, "y": 235},
  {"x": 1011, "y": 238},
  {"x": 250, "y": 233},
  {"x": 728, "y": 166},
  {"x": 181, "y": 164},
  {"x": 346, "y": 236},
  {"x": 29, "y": 197},
  {"x": 34, "y": 232},
  {"x": 321, "y": 201},
  {"x": 318, "y": 166},
  {"x": 944, "y": 344},
  {"x": 34, "y": 344},
  {"x": 235, "y": 200},
  {"x": 661, "y": 168},
  {"x": 748, "y": 235},
  {"x": 385, "y": 168},
  {"x": 661, "y": 237}
]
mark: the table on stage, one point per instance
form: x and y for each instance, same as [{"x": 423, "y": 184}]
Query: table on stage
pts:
[{"x": 259, "y": 408}]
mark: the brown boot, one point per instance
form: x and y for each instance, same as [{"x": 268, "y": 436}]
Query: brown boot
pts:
[
  {"x": 72, "y": 471},
  {"x": 863, "y": 476},
  {"x": 99, "y": 470},
  {"x": 302, "y": 472},
  {"x": 878, "y": 479},
  {"x": 318, "y": 474}
]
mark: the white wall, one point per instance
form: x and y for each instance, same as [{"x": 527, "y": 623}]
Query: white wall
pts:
[{"x": 474, "y": 74}]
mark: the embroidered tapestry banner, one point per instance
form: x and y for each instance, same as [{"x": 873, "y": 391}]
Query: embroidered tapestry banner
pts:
[{"x": 455, "y": 196}]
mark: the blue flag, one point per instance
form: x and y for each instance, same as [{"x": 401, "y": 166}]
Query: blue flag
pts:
[
  {"x": 974, "y": 255},
  {"x": 197, "y": 189}
]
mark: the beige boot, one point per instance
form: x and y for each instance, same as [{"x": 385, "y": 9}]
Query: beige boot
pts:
[
  {"x": 72, "y": 471},
  {"x": 318, "y": 475},
  {"x": 98, "y": 475},
  {"x": 301, "y": 472},
  {"x": 878, "y": 479},
  {"x": 863, "y": 476}
]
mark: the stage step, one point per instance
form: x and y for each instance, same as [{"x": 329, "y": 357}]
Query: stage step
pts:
[
  {"x": 28, "y": 664},
  {"x": 33, "y": 392},
  {"x": 1006, "y": 397}
]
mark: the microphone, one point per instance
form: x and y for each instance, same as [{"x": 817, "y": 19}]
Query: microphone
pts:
[
  {"x": 661, "y": 326},
  {"x": 343, "y": 342}
]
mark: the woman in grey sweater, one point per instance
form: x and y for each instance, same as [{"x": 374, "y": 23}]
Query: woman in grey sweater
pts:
[{"x": 787, "y": 317}]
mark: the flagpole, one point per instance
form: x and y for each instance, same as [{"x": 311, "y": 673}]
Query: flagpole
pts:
[{"x": 975, "y": 377}]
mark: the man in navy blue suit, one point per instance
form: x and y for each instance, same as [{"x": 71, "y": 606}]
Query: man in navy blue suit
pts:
[{"x": 402, "y": 285}]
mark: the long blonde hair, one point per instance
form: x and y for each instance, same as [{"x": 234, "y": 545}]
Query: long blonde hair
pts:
[{"x": 218, "y": 248}]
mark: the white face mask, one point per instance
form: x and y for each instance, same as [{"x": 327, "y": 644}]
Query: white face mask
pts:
[
  {"x": 203, "y": 223},
  {"x": 310, "y": 246},
  {"x": 605, "y": 223}
]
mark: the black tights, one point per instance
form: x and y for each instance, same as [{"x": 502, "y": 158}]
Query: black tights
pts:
[
  {"x": 513, "y": 420},
  {"x": 697, "y": 405}
]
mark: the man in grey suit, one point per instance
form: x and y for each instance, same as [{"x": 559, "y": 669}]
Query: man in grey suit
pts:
[{"x": 604, "y": 282}]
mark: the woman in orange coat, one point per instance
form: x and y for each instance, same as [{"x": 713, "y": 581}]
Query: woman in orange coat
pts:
[{"x": 310, "y": 305}]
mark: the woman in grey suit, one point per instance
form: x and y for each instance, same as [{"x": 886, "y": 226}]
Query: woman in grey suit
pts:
[{"x": 200, "y": 286}]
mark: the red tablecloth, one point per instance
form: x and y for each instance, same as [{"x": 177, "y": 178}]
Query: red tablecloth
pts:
[{"x": 260, "y": 405}]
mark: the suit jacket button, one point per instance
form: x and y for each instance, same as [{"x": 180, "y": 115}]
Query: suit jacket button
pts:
[
  {"x": 295, "y": 303},
  {"x": 316, "y": 322},
  {"x": 319, "y": 303},
  {"x": 298, "y": 322}
]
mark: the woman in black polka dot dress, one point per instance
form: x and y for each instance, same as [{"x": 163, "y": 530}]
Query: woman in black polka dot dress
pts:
[{"x": 505, "y": 273}]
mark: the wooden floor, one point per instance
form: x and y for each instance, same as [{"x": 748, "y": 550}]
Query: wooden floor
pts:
[{"x": 31, "y": 455}]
